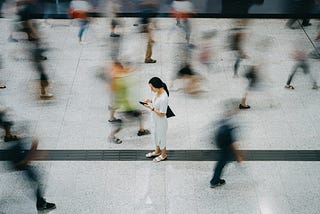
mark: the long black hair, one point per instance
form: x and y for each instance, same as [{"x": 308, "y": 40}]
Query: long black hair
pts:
[{"x": 157, "y": 83}]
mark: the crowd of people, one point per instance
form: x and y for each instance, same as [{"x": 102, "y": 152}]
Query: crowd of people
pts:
[{"x": 117, "y": 76}]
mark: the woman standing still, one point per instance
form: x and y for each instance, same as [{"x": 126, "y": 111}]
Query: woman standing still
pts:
[{"x": 158, "y": 106}]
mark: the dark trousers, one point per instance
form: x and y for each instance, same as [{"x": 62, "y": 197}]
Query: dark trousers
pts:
[
  {"x": 224, "y": 157},
  {"x": 34, "y": 179},
  {"x": 37, "y": 59},
  {"x": 305, "y": 68}
]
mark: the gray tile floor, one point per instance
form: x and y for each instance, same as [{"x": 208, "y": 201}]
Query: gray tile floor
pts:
[{"x": 76, "y": 119}]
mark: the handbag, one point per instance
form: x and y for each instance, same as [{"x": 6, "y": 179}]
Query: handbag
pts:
[{"x": 169, "y": 112}]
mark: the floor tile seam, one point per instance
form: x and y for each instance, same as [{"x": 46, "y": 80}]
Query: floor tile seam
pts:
[{"x": 73, "y": 81}]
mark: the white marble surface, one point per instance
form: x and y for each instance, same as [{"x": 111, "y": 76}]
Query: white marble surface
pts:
[{"x": 169, "y": 187}]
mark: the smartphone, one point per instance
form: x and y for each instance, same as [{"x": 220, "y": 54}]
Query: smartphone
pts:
[{"x": 143, "y": 103}]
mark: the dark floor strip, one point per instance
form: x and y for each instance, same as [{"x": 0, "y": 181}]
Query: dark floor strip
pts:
[{"x": 173, "y": 155}]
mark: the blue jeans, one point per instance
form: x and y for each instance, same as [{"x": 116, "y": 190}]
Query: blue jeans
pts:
[{"x": 84, "y": 24}]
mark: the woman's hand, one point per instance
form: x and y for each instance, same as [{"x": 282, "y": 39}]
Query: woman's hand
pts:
[
  {"x": 148, "y": 101},
  {"x": 147, "y": 106}
]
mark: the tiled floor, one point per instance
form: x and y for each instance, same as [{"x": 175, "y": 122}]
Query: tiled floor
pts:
[{"x": 77, "y": 119}]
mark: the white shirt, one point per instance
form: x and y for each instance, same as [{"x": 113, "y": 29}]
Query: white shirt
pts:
[
  {"x": 80, "y": 5},
  {"x": 183, "y": 6}
]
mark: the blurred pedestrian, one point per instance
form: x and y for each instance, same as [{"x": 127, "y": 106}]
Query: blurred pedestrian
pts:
[
  {"x": 37, "y": 57},
  {"x": 191, "y": 84},
  {"x": 301, "y": 62},
  {"x": 25, "y": 12},
  {"x": 79, "y": 9},
  {"x": 20, "y": 153},
  {"x": 236, "y": 40},
  {"x": 148, "y": 10},
  {"x": 206, "y": 50},
  {"x": 120, "y": 92},
  {"x": 2, "y": 86},
  {"x": 182, "y": 10},
  {"x": 158, "y": 105},
  {"x": 301, "y": 9},
  {"x": 113, "y": 10},
  {"x": 6, "y": 124},
  {"x": 225, "y": 139},
  {"x": 253, "y": 77},
  {"x": 150, "y": 43}
]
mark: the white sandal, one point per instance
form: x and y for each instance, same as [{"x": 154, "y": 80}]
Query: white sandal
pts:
[
  {"x": 152, "y": 154},
  {"x": 160, "y": 158}
]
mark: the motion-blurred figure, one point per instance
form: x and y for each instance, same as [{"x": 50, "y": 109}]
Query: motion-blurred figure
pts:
[
  {"x": 25, "y": 13},
  {"x": 148, "y": 10},
  {"x": 301, "y": 63},
  {"x": 31, "y": 28},
  {"x": 301, "y": 8},
  {"x": 236, "y": 39},
  {"x": 1, "y": 3},
  {"x": 79, "y": 9},
  {"x": 192, "y": 80},
  {"x": 182, "y": 10},
  {"x": 253, "y": 77},
  {"x": 37, "y": 57},
  {"x": 225, "y": 140},
  {"x": 113, "y": 10},
  {"x": 120, "y": 98},
  {"x": 150, "y": 43},
  {"x": 206, "y": 50},
  {"x": 20, "y": 153},
  {"x": 2, "y": 86},
  {"x": 6, "y": 124}
]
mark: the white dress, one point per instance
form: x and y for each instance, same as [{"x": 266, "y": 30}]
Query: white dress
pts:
[{"x": 160, "y": 123}]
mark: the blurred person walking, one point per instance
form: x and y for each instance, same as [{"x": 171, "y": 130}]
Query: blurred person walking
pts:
[
  {"x": 158, "y": 105},
  {"x": 120, "y": 91},
  {"x": 148, "y": 10},
  {"x": 113, "y": 10},
  {"x": 37, "y": 56},
  {"x": 192, "y": 80},
  {"x": 206, "y": 51},
  {"x": 20, "y": 153},
  {"x": 301, "y": 9},
  {"x": 182, "y": 10},
  {"x": 301, "y": 63},
  {"x": 236, "y": 40},
  {"x": 79, "y": 9},
  {"x": 150, "y": 43},
  {"x": 25, "y": 12},
  {"x": 2, "y": 86},
  {"x": 225, "y": 139},
  {"x": 6, "y": 124},
  {"x": 253, "y": 77}
]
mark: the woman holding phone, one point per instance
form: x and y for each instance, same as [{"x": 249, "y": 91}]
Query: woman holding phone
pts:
[{"x": 158, "y": 105}]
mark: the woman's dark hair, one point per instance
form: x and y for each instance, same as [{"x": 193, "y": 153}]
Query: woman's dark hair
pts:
[{"x": 157, "y": 83}]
